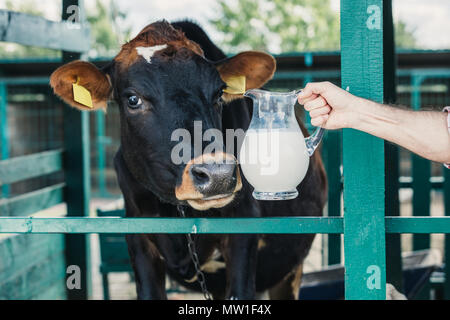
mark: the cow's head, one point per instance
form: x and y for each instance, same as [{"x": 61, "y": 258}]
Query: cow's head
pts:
[{"x": 162, "y": 82}]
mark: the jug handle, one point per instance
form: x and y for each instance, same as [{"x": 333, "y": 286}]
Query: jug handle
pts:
[{"x": 313, "y": 141}]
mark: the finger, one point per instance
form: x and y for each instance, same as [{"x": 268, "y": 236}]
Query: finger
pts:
[
  {"x": 305, "y": 100},
  {"x": 316, "y": 103},
  {"x": 319, "y": 121},
  {"x": 318, "y": 87},
  {"x": 304, "y": 94},
  {"x": 320, "y": 111}
]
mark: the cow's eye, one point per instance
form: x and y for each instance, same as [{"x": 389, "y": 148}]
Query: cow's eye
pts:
[{"x": 134, "y": 102}]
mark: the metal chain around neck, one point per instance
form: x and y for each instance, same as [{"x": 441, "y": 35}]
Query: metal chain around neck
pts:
[{"x": 194, "y": 257}]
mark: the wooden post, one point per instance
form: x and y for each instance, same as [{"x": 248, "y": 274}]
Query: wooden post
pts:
[
  {"x": 363, "y": 154},
  {"x": 76, "y": 166}
]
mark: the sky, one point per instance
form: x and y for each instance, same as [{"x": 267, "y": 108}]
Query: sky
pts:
[{"x": 429, "y": 19}]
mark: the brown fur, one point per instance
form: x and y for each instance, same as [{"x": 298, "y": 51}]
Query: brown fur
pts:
[
  {"x": 257, "y": 67},
  {"x": 157, "y": 33},
  {"x": 88, "y": 76},
  {"x": 289, "y": 287}
]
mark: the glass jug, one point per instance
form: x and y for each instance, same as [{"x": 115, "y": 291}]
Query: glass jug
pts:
[{"x": 274, "y": 155}]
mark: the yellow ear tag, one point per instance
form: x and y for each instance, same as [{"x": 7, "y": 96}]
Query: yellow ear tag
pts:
[
  {"x": 235, "y": 85},
  {"x": 82, "y": 95}
]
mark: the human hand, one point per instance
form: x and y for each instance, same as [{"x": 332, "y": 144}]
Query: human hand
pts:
[{"x": 329, "y": 106}]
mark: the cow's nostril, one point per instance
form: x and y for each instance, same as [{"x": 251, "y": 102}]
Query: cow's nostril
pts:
[
  {"x": 200, "y": 175},
  {"x": 212, "y": 179}
]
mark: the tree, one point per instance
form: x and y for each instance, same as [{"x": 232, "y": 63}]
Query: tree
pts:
[
  {"x": 404, "y": 38},
  {"x": 285, "y": 26},
  {"x": 107, "y": 31},
  {"x": 277, "y": 25}
]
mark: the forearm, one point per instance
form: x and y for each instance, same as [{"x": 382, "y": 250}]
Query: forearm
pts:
[{"x": 422, "y": 132}]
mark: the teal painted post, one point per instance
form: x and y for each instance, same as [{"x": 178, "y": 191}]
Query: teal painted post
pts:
[
  {"x": 77, "y": 175},
  {"x": 4, "y": 132},
  {"x": 394, "y": 274},
  {"x": 101, "y": 181},
  {"x": 333, "y": 163},
  {"x": 363, "y": 155},
  {"x": 446, "y": 190},
  {"x": 421, "y": 171}
]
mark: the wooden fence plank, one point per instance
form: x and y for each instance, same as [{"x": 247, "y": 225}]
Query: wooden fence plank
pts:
[
  {"x": 31, "y": 265},
  {"x": 30, "y": 166},
  {"x": 36, "y": 31},
  {"x": 56, "y": 291},
  {"x": 20, "y": 252},
  {"x": 38, "y": 278},
  {"x": 363, "y": 155},
  {"x": 31, "y": 202}
]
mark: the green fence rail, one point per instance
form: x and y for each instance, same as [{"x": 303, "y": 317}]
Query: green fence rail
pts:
[{"x": 288, "y": 225}]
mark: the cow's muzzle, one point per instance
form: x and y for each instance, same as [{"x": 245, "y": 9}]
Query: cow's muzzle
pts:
[{"x": 209, "y": 181}]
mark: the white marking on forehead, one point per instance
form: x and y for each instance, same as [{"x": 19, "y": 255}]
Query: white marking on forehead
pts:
[{"x": 148, "y": 52}]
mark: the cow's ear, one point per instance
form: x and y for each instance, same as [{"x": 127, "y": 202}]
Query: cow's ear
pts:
[
  {"x": 91, "y": 85},
  {"x": 246, "y": 70}
]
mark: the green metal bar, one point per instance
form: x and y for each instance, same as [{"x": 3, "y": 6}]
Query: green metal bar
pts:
[
  {"x": 394, "y": 274},
  {"x": 24, "y": 80},
  {"x": 30, "y": 166},
  {"x": 333, "y": 163},
  {"x": 295, "y": 75},
  {"x": 172, "y": 225},
  {"x": 435, "y": 182},
  {"x": 424, "y": 225},
  {"x": 31, "y": 202},
  {"x": 363, "y": 155},
  {"x": 446, "y": 192},
  {"x": 286, "y": 225},
  {"x": 101, "y": 165},
  {"x": 421, "y": 171},
  {"x": 394, "y": 268},
  {"x": 4, "y": 133}
]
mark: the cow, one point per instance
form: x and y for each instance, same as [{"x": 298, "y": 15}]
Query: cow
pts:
[{"x": 167, "y": 77}]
